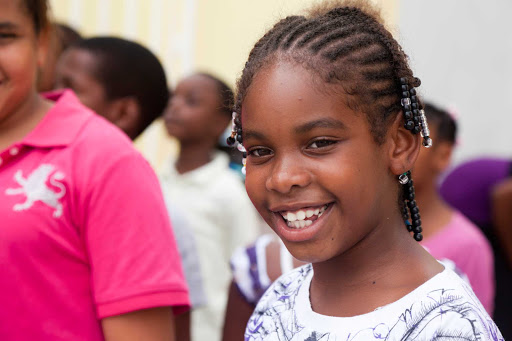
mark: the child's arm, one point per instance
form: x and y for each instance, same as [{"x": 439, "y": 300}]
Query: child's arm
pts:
[
  {"x": 155, "y": 324},
  {"x": 238, "y": 312}
]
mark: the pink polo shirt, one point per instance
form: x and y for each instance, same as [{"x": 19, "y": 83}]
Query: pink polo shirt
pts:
[{"x": 84, "y": 230}]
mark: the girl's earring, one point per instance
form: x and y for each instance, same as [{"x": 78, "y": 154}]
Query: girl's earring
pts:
[{"x": 403, "y": 178}]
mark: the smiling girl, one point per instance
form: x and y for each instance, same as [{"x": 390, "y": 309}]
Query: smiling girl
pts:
[{"x": 331, "y": 123}]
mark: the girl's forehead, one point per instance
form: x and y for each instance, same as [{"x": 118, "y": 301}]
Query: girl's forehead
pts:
[{"x": 287, "y": 86}]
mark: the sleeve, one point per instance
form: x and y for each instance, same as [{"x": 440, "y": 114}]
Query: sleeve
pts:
[
  {"x": 249, "y": 268},
  {"x": 134, "y": 261}
]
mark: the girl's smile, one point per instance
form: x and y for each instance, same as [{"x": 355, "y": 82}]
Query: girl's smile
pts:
[{"x": 302, "y": 225}]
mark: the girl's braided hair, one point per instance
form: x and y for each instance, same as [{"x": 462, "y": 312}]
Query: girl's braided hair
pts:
[{"x": 344, "y": 43}]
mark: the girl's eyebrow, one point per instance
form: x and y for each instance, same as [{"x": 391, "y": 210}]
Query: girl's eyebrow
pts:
[
  {"x": 303, "y": 128},
  {"x": 248, "y": 134},
  {"x": 320, "y": 123}
]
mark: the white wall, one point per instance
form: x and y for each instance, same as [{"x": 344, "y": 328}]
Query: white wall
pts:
[{"x": 462, "y": 52}]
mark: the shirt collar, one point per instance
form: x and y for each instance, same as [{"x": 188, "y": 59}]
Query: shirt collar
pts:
[{"x": 62, "y": 122}]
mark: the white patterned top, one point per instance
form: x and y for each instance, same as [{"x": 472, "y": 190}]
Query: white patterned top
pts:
[{"x": 443, "y": 308}]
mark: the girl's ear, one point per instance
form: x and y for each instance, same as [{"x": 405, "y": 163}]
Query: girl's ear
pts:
[{"x": 404, "y": 146}]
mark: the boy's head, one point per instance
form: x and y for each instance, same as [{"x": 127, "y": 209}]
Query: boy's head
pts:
[
  {"x": 199, "y": 110},
  {"x": 433, "y": 161},
  {"x": 119, "y": 79}
]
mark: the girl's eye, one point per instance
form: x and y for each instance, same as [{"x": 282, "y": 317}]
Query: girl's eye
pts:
[
  {"x": 321, "y": 144},
  {"x": 260, "y": 152}
]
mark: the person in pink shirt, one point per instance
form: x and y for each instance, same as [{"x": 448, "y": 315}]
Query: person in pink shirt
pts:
[
  {"x": 449, "y": 235},
  {"x": 87, "y": 251}
]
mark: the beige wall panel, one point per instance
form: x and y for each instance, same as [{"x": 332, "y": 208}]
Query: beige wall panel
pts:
[
  {"x": 187, "y": 35},
  {"x": 226, "y": 30}
]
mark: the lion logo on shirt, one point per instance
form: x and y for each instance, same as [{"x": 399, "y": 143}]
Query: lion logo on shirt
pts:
[{"x": 34, "y": 187}]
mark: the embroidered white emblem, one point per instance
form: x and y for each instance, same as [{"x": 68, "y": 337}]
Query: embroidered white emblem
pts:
[{"x": 35, "y": 189}]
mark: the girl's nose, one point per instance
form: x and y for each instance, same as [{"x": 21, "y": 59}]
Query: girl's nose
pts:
[{"x": 286, "y": 175}]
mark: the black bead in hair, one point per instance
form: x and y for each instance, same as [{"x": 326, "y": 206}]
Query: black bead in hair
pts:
[
  {"x": 442, "y": 122},
  {"x": 412, "y": 218}
]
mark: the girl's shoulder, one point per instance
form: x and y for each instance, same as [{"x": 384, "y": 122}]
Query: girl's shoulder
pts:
[{"x": 444, "y": 306}]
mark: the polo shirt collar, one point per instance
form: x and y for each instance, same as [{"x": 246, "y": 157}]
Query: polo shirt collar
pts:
[{"x": 62, "y": 122}]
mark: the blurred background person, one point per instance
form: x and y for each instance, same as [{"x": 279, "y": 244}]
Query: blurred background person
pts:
[
  {"x": 96, "y": 68},
  {"x": 209, "y": 194},
  {"x": 473, "y": 187},
  {"x": 448, "y": 234},
  {"x": 118, "y": 79}
]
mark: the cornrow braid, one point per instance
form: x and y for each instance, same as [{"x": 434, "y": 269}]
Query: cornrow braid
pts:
[{"x": 349, "y": 46}]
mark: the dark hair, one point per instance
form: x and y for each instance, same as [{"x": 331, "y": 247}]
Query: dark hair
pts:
[
  {"x": 442, "y": 122},
  {"x": 38, "y": 11},
  {"x": 346, "y": 45},
  {"x": 126, "y": 68},
  {"x": 226, "y": 95},
  {"x": 67, "y": 35},
  {"x": 227, "y": 100}
]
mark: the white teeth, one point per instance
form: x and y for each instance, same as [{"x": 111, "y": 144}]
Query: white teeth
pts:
[
  {"x": 298, "y": 220},
  {"x": 291, "y": 216},
  {"x": 299, "y": 224}
]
